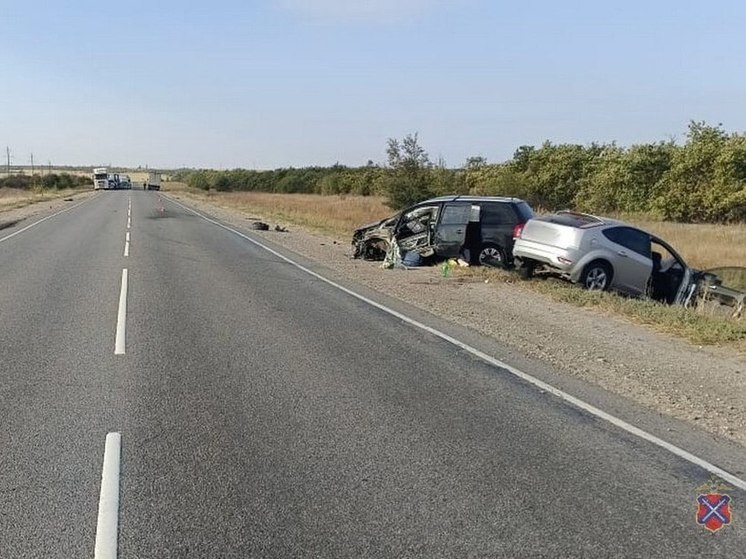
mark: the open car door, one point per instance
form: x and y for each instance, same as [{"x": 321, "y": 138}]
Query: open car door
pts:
[
  {"x": 414, "y": 231},
  {"x": 672, "y": 280}
]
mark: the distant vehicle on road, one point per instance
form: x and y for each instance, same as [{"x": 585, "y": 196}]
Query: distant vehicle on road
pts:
[
  {"x": 153, "y": 182},
  {"x": 125, "y": 181},
  {"x": 113, "y": 181},
  {"x": 100, "y": 178}
]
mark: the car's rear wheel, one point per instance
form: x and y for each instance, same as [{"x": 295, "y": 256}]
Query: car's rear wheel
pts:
[
  {"x": 492, "y": 255},
  {"x": 526, "y": 269},
  {"x": 596, "y": 276}
]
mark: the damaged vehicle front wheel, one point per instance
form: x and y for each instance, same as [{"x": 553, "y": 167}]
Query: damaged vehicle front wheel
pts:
[{"x": 374, "y": 249}]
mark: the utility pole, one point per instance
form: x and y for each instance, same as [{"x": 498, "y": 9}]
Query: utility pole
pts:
[
  {"x": 32, "y": 164},
  {"x": 7, "y": 152}
]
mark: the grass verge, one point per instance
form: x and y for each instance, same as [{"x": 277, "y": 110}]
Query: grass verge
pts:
[
  {"x": 696, "y": 326},
  {"x": 335, "y": 215},
  {"x": 11, "y": 198}
]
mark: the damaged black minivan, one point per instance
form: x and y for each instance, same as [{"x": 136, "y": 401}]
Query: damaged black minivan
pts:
[{"x": 479, "y": 229}]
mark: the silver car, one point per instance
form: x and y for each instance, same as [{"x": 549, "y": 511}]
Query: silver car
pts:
[{"x": 602, "y": 254}]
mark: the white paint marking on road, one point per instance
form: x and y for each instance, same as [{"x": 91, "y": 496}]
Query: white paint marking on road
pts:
[
  {"x": 577, "y": 402},
  {"x": 42, "y": 220},
  {"x": 129, "y": 222},
  {"x": 107, "y": 528},
  {"x": 127, "y": 244},
  {"x": 119, "y": 344}
]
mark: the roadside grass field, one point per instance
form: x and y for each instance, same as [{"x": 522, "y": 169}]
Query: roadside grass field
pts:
[
  {"x": 701, "y": 245},
  {"x": 704, "y": 245},
  {"x": 336, "y": 215},
  {"x": 12, "y": 198}
]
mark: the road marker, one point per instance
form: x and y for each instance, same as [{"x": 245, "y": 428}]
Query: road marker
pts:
[
  {"x": 121, "y": 317},
  {"x": 34, "y": 224},
  {"x": 107, "y": 527},
  {"x": 127, "y": 244},
  {"x": 540, "y": 384}
]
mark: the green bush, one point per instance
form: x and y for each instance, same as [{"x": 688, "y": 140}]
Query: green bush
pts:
[{"x": 702, "y": 180}]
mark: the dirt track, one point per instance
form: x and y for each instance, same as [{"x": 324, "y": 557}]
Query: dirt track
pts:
[{"x": 704, "y": 386}]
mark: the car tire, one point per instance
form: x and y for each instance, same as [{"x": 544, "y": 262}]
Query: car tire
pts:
[
  {"x": 596, "y": 276},
  {"x": 526, "y": 270},
  {"x": 492, "y": 255}
]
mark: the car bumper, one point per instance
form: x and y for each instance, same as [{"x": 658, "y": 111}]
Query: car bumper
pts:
[{"x": 559, "y": 259}]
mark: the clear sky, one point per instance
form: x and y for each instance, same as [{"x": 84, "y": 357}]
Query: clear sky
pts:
[{"x": 271, "y": 83}]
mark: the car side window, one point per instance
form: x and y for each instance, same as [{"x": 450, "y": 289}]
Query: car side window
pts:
[
  {"x": 630, "y": 238},
  {"x": 494, "y": 213},
  {"x": 455, "y": 214},
  {"x": 417, "y": 220}
]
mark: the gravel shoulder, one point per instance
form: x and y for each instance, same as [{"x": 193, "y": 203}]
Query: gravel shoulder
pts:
[{"x": 705, "y": 386}]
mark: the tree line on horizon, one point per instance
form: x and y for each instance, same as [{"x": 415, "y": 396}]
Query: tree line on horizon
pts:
[
  {"x": 58, "y": 181},
  {"x": 701, "y": 180}
]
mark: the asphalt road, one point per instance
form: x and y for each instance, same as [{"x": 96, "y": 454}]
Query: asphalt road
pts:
[{"x": 264, "y": 413}]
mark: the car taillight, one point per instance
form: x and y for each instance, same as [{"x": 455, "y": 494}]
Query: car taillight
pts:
[{"x": 517, "y": 230}]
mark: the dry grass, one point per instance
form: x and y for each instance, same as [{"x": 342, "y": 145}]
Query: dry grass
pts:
[
  {"x": 702, "y": 327},
  {"x": 338, "y": 215},
  {"x": 701, "y": 245},
  {"x": 12, "y": 198}
]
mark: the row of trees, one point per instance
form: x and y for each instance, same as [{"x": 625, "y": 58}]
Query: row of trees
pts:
[
  {"x": 701, "y": 180},
  {"x": 48, "y": 181}
]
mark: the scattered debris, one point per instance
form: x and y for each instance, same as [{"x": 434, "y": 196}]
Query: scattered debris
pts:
[
  {"x": 259, "y": 226},
  {"x": 280, "y": 229},
  {"x": 412, "y": 259},
  {"x": 68, "y": 200}
]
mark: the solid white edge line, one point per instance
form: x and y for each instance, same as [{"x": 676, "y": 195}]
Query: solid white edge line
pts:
[
  {"x": 620, "y": 423},
  {"x": 119, "y": 343},
  {"x": 35, "y": 223},
  {"x": 107, "y": 527}
]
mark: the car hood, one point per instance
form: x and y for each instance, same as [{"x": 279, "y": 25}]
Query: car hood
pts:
[{"x": 386, "y": 224}]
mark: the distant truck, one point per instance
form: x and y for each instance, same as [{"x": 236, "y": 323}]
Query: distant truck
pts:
[
  {"x": 101, "y": 178},
  {"x": 113, "y": 181},
  {"x": 125, "y": 181},
  {"x": 153, "y": 182}
]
